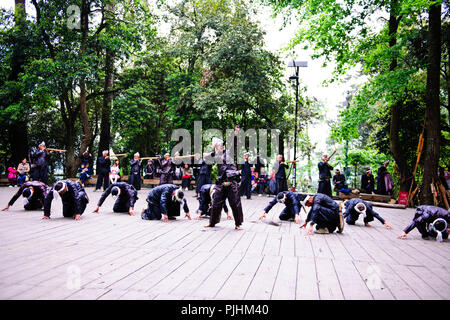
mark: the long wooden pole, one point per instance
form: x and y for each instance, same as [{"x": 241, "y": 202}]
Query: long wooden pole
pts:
[{"x": 57, "y": 150}]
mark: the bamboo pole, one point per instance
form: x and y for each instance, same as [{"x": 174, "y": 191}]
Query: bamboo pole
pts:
[{"x": 57, "y": 150}]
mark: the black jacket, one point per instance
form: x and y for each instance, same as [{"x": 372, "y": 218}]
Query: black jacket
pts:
[
  {"x": 135, "y": 166},
  {"x": 128, "y": 194},
  {"x": 321, "y": 200},
  {"x": 340, "y": 178},
  {"x": 163, "y": 196},
  {"x": 104, "y": 165},
  {"x": 73, "y": 197},
  {"x": 367, "y": 182},
  {"x": 41, "y": 157},
  {"x": 205, "y": 169},
  {"x": 226, "y": 168},
  {"x": 40, "y": 191},
  {"x": 281, "y": 173},
  {"x": 350, "y": 210},
  {"x": 427, "y": 214},
  {"x": 292, "y": 202},
  {"x": 324, "y": 170},
  {"x": 149, "y": 169},
  {"x": 245, "y": 169},
  {"x": 166, "y": 166}
]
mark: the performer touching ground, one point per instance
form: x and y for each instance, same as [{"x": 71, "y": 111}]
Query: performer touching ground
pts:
[
  {"x": 356, "y": 207},
  {"x": 205, "y": 202},
  {"x": 430, "y": 221},
  {"x": 40, "y": 172},
  {"x": 33, "y": 192},
  {"x": 292, "y": 201},
  {"x": 226, "y": 186},
  {"x": 325, "y": 214},
  {"x": 324, "y": 176},
  {"x": 135, "y": 172},
  {"x": 73, "y": 196},
  {"x": 124, "y": 194},
  {"x": 165, "y": 201}
]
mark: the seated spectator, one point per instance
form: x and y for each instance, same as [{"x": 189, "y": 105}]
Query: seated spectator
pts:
[
  {"x": 23, "y": 171},
  {"x": 254, "y": 180},
  {"x": 114, "y": 175},
  {"x": 272, "y": 184},
  {"x": 12, "y": 176},
  {"x": 368, "y": 182},
  {"x": 262, "y": 181},
  {"x": 84, "y": 173},
  {"x": 186, "y": 177},
  {"x": 149, "y": 171},
  {"x": 339, "y": 181}
]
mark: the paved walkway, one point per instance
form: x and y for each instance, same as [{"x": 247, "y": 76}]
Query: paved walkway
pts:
[{"x": 117, "y": 256}]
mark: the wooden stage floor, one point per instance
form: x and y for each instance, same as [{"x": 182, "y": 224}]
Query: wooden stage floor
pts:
[{"x": 117, "y": 256}]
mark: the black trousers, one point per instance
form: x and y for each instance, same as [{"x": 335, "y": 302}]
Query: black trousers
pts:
[
  {"x": 34, "y": 204},
  {"x": 201, "y": 181},
  {"x": 121, "y": 206},
  {"x": 102, "y": 179},
  {"x": 246, "y": 187},
  {"x": 326, "y": 218},
  {"x": 40, "y": 173},
  {"x": 232, "y": 194},
  {"x": 185, "y": 182},
  {"x": 135, "y": 180},
  {"x": 281, "y": 185},
  {"x": 325, "y": 187},
  {"x": 69, "y": 210},
  {"x": 166, "y": 178}
]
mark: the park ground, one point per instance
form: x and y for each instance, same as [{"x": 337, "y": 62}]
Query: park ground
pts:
[{"x": 109, "y": 255}]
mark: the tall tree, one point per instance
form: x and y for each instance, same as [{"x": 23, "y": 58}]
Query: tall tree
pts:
[{"x": 432, "y": 113}]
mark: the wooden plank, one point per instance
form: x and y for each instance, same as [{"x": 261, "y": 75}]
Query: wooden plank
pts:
[
  {"x": 262, "y": 284},
  {"x": 369, "y": 273},
  {"x": 285, "y": 283},
  {"x": 307, "y": 288},
  {"x": 329, "y": 287},
  {"x": 351, "y": 282},
  {"x": 237, "y": 284}
]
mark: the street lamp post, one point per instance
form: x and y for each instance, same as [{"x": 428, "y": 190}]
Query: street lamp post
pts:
[{"x": 295, "y": 82}]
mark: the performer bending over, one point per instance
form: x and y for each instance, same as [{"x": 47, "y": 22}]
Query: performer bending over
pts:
[
  {"x": 33, "y": 192},
  {"x": 355, "y": 207},
  {"x": 292, "y": 202},
  {"x": 325, "y": 214},
  {"x": 73, "y": 196},
  {"x": 205, "y": 201},
  {"x": 124, "y": 194},
  {"x": 164, "y": 201},
  {"x": 430, "y": 221},
  {"x": 226, "y": 186}
]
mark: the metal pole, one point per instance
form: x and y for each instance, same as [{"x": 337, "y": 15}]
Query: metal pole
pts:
[{"x": 294, "y": 178}]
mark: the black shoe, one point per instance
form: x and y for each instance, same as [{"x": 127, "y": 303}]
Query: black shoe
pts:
[{"x": 172, "y": 218}]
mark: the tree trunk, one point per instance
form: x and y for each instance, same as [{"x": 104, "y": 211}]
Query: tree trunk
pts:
[
  {"x": 432, "y": 112},
  {"x": 18, "y": 131},
  {"x": 394, "y": 139},
  {"x": 105, "y": 126},
  {"x": 83, "y": 107}
]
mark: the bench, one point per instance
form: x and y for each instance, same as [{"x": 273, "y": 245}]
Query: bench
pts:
[{"x": 366, "y": 196}]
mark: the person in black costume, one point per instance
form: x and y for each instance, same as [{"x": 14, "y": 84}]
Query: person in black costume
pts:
[
  {"x": 226, "y": 186},
  {"x": 430, "y": 221},
  {"x": 356, "y": 207},
  {"x": 325, "y": 214},
  {"x": 280, "y": 176},
  {"x": 381, "y": 185},
  {"x": 368, "y": 182},
  {"x": 135, "y": 172},
  {"x": 103, "y": 168},
  {"x": 205, "y": 202},
  {"x": 33, "y": 192},
  {"x": 246, "y": 183},
  {"x": 166, "y": 168},
  {"x": 164, "y": 201},
  {"x": 324, "y": 176},
  {"x": 41, "y": 157},
  {"x": 125, "y": 195},
  {"x": 73, "y": 196}
]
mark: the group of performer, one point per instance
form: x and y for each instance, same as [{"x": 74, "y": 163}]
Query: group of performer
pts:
[{"x": 165, "y": 201}]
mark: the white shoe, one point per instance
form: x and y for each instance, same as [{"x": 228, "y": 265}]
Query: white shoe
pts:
[{"x": 10, "y": 186}]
